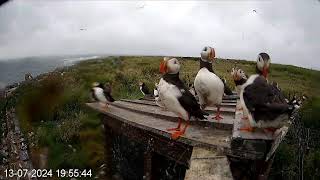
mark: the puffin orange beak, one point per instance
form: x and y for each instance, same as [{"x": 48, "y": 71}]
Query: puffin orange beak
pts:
[
  {"x": 163, "y": 67},
  {"x": 236, "y": 77},
  {"x": 212, "y": 54},
  {"x": 265, "y": 71}
]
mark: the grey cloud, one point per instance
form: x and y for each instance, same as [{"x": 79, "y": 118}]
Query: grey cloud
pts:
[{"x": 287, "y": 30}]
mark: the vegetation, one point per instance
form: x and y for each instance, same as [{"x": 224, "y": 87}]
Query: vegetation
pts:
[{"x": 54, "y": 106}]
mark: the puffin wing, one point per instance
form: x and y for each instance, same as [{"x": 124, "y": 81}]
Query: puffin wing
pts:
[
  {"x": 93, "y": 96},
  {"x": 227, "y": 90},
  {"x": 190, "y": 104},
  {"x": 110, "y": 98},
  {"x": 145, "y": 89},
  {"x": 261, "y": 100},
  {"x": 277, "y": 94},
  {"x": 108, "y": 95}
]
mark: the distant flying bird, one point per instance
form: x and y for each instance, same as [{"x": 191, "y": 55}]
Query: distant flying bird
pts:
[
  {"x": 141, "y": 6},
  {"x": 254, "y": 11},
  {"x": 82, "y": 29}
]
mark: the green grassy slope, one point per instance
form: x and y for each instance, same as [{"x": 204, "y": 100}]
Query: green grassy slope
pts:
[{"x": 54, "y": 109}]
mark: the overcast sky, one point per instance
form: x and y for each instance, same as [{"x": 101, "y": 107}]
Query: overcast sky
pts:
[{"x": 287, "y": 30}]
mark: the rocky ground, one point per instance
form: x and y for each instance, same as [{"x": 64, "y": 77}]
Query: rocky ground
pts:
[{"x": 13, "y": 147}]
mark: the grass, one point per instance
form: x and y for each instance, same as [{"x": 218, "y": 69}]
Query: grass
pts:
[{"x": 54, "y": 109}]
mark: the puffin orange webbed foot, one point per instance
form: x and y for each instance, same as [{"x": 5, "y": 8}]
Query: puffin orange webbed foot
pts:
[
  {"x": 268, "y": 130},
  {"x": 173, "y": 129},
  {"x": 248, "y": 129},
  {"x": 239, "y": 109},
  {"x": 218, "y": 117},
  {"x": 245, "y": 118},
  {"x": 176, "y": 135}
]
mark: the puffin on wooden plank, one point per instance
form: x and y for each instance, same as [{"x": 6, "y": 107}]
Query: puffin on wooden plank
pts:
[
  {"x": 176, "y": 97},
  {"x": 208, "y": 85},
  {"x": 144, "y": 89},
  {"x": 239, "y": 77},
  {"x": 264, "y": 103},
  {"x": 102, "y": 94},
  {"x": 156, "y": 96}
]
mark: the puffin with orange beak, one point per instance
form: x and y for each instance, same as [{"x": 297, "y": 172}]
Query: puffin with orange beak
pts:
[
  {"x": 239, "y": 78},
  {"x": 209, "y": 87},
  {"x": 176, "y": 97},
  {"x": 266, "y": 107}
]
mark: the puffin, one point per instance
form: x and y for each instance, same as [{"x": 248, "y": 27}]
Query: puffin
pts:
[
  {"x": 264, "y": 103},
  {"x": 296, "y": 102},
  {"x": 144, "y": 89},
  {"x": 209, "y": 87},
  {"x": 176, "y": 97},
  {"x": 102, "y": 94},
  {"x": 227, "y": 90},
  {"x": 239, "y": 78},
  {"x": 156, "y": 96},
  {"x": 276, "y": 85}
]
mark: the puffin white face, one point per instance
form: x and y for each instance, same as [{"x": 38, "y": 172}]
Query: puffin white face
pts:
[
  {"x": 263, "y": 64},
  {"x": 170, "y": 66},
  {"x": 233, "y": 71},
  {"x": 208, "y": 53},
  {"x": 240, "y": 74},
  {"x": 95, "y": 84}
]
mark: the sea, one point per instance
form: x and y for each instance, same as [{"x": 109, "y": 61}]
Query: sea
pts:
[{"x": 13, "y": 70}]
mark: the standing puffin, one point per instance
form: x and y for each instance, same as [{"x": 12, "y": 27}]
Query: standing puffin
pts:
[
  {"x": 208, "y": 85},
  {"x": 144, "y": 89},
  {"x": 156, "y": 96},
  {"x": 239, "y": 78},
  {"x": 176, "y": 97},
  {"x": 263, "y": 102},
  {"x": 102, "y": 94}
]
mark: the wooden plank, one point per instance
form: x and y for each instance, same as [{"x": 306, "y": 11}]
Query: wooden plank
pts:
[
  {"x": 231, "y": 97},
  {"x": 152, "y": 103},
  {"x": 208, "y": 137},
  {"x": 152, "y": 142},
  {"x": 228, "y": 97},
  {"x": 279, "y": 136},
  {"x": 147, "y": 156},
  {"x": 229, "y": 100},
  {"x": 226, "y": 123},
  {"x": 258, "y": 134},
  {"x": 208, "y": 165},
  {"x": 224, "y": 110},
  {"x": 195, "y": 135}
]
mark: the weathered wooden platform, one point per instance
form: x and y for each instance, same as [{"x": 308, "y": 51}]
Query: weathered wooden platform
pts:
[{"x": 144, "y": 122}]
